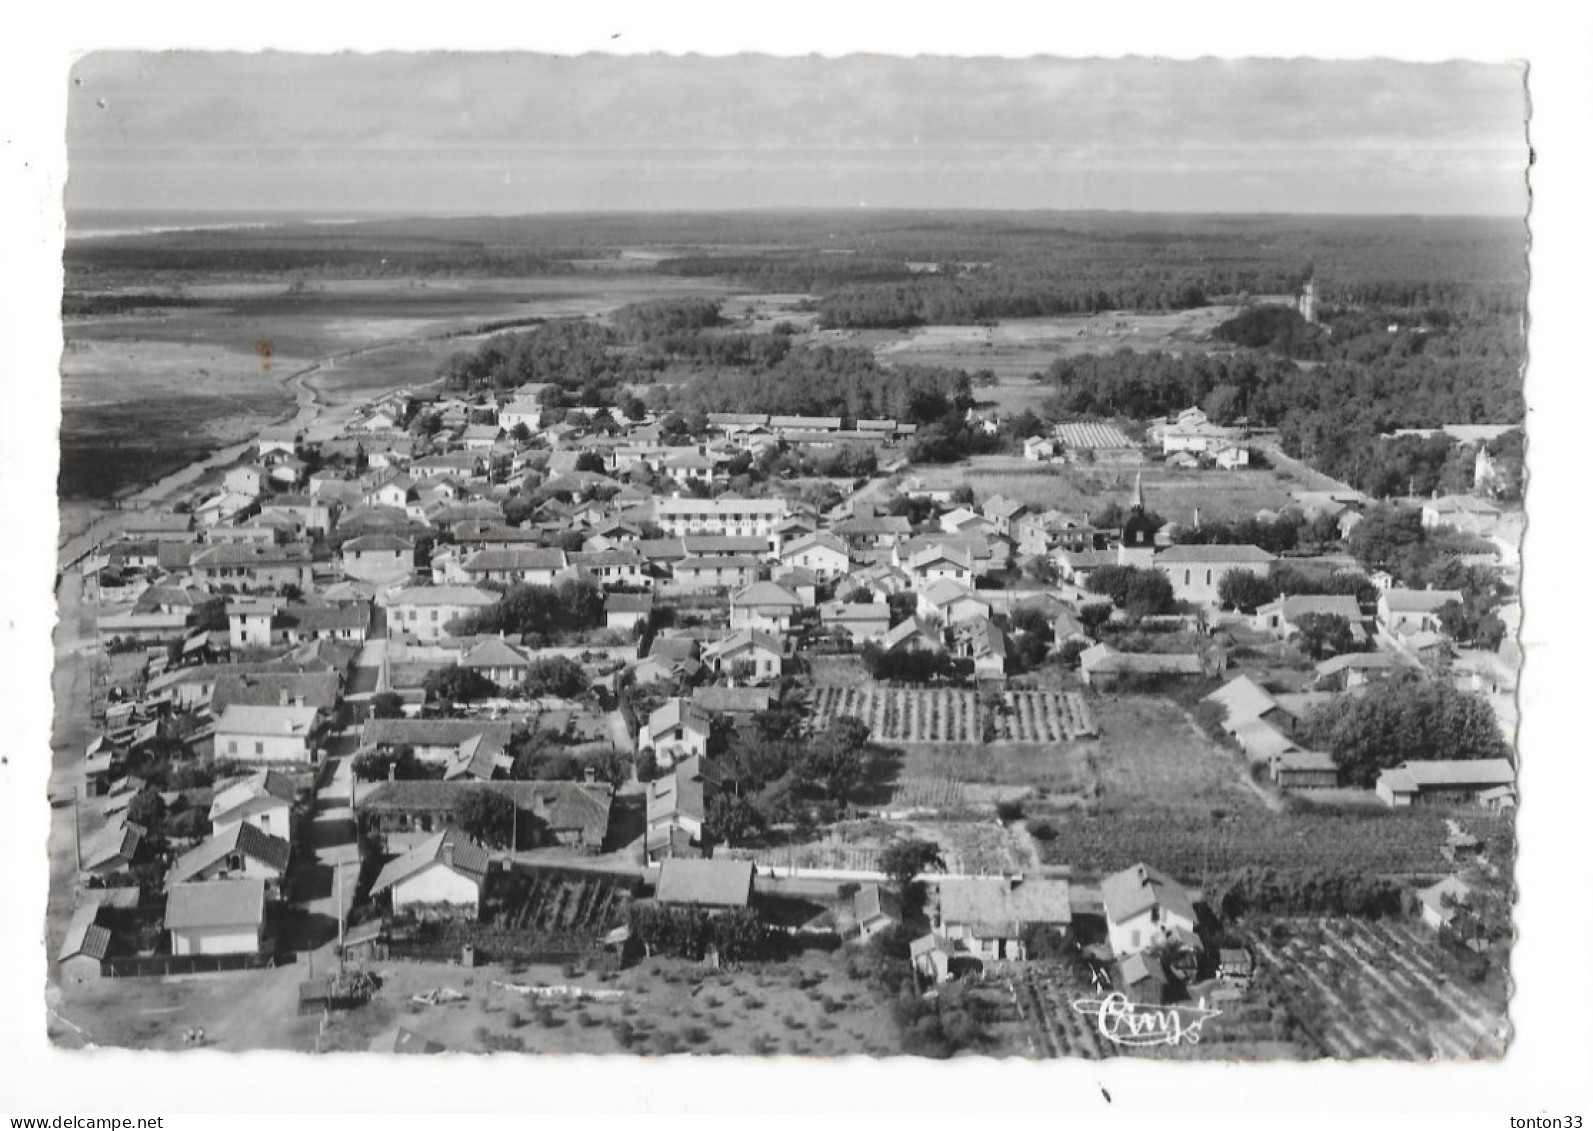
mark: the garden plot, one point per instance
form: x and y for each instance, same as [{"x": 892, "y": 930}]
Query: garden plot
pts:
[
  {"x": 895, "y": 714},
  {"x": 1380, "y": 989},
  {"x": 1047, "y": 716}
]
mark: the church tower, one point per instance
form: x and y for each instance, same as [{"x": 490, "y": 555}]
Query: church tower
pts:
[
  {"x": 1308, "y": 301},
  {"x": 1138, "y": 545}
]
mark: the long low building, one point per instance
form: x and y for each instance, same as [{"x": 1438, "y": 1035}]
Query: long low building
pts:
[{"x": 1460, "y": 782}]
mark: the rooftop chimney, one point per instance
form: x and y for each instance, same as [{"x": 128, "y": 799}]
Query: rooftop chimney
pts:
[
  {"x": 282, "y": 697},
  {"x": 448, "y": 853},
  {"x": 591, "y": 775}
]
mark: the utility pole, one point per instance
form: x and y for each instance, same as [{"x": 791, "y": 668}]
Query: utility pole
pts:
[
  {"x": 340, "y": 916},
  {"x": 77, "y": 830}
]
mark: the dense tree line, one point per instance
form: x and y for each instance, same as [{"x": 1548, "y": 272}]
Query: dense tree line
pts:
[
  {"x": 1032, "y": 291},
  {"x": 831, "y": 381},
  {"x": 538, "y": 610},
  {"x": 1267, "y": 891}
]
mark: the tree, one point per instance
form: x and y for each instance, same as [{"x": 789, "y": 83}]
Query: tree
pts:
[
  {"x": 833, "y": 760},
  {"x": 1070, "y": 651},
  {"x": 387, "y": 705},
  {"x": 520, "y": 433},
  {"x": 1138, "y": 592},
  {"x": 1386, "y": 536},
  {"x": 1245, "y": 590},
  {"x": 904, "y": 860},
  {"x": 458, "y": 685},
  {"x": 1467, "y": 624},
  {"x": 1325, "y": 634},
  {"x": 400, "y": 764},
  {"x": 1093, "y": 616},
  {"x": 590, "y": 461},
  {"x": 731, "y": 819},
  {"x": 1400, "y": 720},
  {"x": 558, "y": 676},
  {"x": 147, "y": 809},
  {"x": 211, "y": 615},
  {"x": 487, "y": 816}
]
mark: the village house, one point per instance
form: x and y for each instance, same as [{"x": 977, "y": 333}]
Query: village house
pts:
[
  {"x": 441, "y": 877},
  {"x": 497, "y": 660},
  {"x": 308, "y": 514},
  {"x": 246, "y": 480},
  {"x": 947, "y": 602},
  {"x": 1283, "y": 615},
  {"x": 264, "y": 800},
  {"x": 1144, "y": 980},
  {"x": 862, "y": 622},
  {"x": 938, "y": 563},
  {"x": 620, "y": 567},
  {"x": 225, "y": 917},
  {"x": 85, "y": 947},
  {"x": 1191, "y": 432},
  {"x": 1466, "y": 513},
  {"x": 1357, "y": 669},
  {"x": 1145, "y": 907},
  {"x": 873, "y": 531},
  {"x": 425, "y": 612},
  {"x": 746, "y": 654},
  {"x": 677, "y": 808},
  {"x": 529, "y": 566},
  {"x": 764, "y": 605},
  {"x": 711, "y": 885},
  {"x": 988, "y": 916},
  {"x": 1196, "y": 572},
  {"x": 254, "y": 567},
  {"x": 876, "y": 909},
  {"x": 242, "y": 852},
  {"x": 221, "y": 685},
  {"x": 913, "y": 635},
  {"x": 268, "y": 734},
  {"x": 626, "y": 612},
  {"x": 822, "y": 553},
  {"x": 676, "y": 731},
  {"x": 433, "y": 740},
  {"x": 381, "y": 558},
  {"x": 563, "y": 814},
  {"x": 1406, "y": 611}
]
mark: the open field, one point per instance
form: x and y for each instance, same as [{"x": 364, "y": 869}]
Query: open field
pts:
[
  {"x": 1150, "y": 753},
  {"x": 1049, "y": 768},
  {"x": 1172, "y": 493},
  {"x": 1381, "y": 989}
]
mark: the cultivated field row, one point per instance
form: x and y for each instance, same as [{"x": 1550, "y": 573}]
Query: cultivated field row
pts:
[
  {"x": 1047, "y": 716},
  {"x": 952, "y": 716}
]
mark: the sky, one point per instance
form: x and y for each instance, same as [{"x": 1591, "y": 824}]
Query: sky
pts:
[{"x": 524, "y": 133}]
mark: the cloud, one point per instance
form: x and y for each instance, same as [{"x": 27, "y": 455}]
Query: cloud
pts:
[{"x": 229, "y": 130}]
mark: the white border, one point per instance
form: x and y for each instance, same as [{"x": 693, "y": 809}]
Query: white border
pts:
[{"x": 1545, "y": 1071}]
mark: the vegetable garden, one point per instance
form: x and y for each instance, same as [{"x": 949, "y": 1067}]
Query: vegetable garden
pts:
[
  {"x": 1380, "y": 988},
  {"x": 1046, "y": 716},
  {"x": 896, "y": 714}
]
